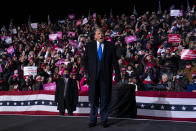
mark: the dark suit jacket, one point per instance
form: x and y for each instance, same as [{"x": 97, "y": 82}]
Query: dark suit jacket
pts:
[
  {"x": 108, "y": 61},
  {"x": 71, "y": 98}
]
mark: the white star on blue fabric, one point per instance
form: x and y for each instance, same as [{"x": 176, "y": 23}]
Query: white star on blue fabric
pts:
[
  {"x": 15, "y": 103},
  {"x": 22, "y": 103},
  {"x": 173, "y": 107},
  {"x": 36, "y": 102},
  {"x": 43, "y": 102},
  {"x": 1, "y": 103},
  {"x": 8, "y": 103},
  {"x": 183, "y": 108},
  {"x": 29, "y": 103},
  {"x": 142, "y": 105},
  {"x": 162, "y": 107},
  {"x": 152, "y": 106},
  {"x": 50, "y": 103}
]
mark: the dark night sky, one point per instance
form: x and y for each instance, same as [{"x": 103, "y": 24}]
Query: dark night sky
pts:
[{"x": 39, "y": 9}]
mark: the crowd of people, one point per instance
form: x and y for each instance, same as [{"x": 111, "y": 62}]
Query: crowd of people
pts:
[{"x": 150, "y": 62}]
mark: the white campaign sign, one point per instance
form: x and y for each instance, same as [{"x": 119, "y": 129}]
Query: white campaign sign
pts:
[
  {"x": 30, "y": 70},
  {"x": 34, "y": 25},
  {"x": 175, "y": 12},
  {"x": 8, "y": 40},
  {"x": 85, "y": 21},
  {"x": 14, "y": 31}
]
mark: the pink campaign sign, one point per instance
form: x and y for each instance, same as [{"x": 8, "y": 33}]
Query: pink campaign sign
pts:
[
  {"x": 71, "y": 16},
  {"x": 59, "y": 62},
  {"x": 130, "y": 39},
  {"x": 53, "y": 37},
  {"x": 50, "y": 86},
  {"x": 10, "y": 50},
  {"x": 59, "y": 34},
  {"x": 73, "y": 43},
  {"x": 71, "y": 34},
  {"x": 4, "y": 37},
  {"x": 94, "y": 15},
  {"x": 79, "y": 22}
]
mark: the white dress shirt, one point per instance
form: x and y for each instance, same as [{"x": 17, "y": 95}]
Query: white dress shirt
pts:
[{"x": 102, "y": 46}]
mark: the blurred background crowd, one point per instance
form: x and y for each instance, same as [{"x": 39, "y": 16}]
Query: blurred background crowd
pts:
[{"x": 150, "y": 62}]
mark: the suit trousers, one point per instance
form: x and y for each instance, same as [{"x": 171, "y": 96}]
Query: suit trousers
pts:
[
  {"x": 100, "y": 96},
  {"x": 62, "y": 111}
]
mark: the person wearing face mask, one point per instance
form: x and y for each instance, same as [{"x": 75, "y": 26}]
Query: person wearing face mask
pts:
[{"x": 66, "y": 94}]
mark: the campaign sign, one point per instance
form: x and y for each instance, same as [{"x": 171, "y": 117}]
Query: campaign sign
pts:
[
  {"x": 73, "y": 43},
  {"x": 10, "y": 50},
  {"x": 61, "y": 21},
  {"x": 8, "y": 40},
  {"x": 34, "y": 25},
  {"x": 59, "y": 34},
  {"x": 85, "y": 21},
  {"x": 53, "y": 37},
  {"x": 14, "y": 31},
  {"x": 50, "y": 86},
  {"x": 30, "y": 70},
  {"x": 71, "y": 34},
  {"x": 71, "y": 16},
  {"x": 174, "y": 38},
  {"x": 94, "y": 15},
  {"x": 130, "y": 39},
  {"x": 187, "y": 54},
  {"x": 78, "y": 23},
  {"x": 175, "y": 13},
  {"x": 4, "y": 37},
  {"x": 59, "y": 62}
]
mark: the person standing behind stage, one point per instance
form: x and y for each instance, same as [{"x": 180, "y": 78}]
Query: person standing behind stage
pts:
[
  {"x": 66, "y": 94},
  {"x": 99, "y": 60}
]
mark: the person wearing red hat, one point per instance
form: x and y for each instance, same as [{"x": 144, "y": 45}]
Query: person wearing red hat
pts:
[{"x": 27, "y": 85}]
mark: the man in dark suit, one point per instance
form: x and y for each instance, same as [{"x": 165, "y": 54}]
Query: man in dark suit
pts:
[
  {"x": 99, "y": 60},
  {"x": 66, "y": 94}
]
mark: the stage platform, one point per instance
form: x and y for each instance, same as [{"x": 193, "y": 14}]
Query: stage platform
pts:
[{"x": 65, "y": 123}]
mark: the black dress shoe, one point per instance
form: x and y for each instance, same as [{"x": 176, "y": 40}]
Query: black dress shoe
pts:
[
  {"x": 104, "y": 124},
  {"x": 92, "y": 125}
]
